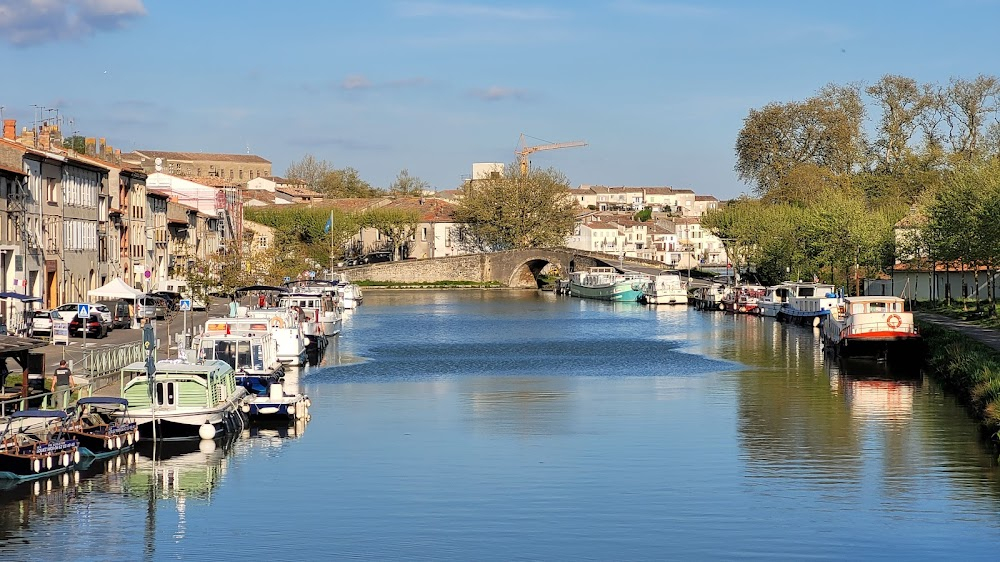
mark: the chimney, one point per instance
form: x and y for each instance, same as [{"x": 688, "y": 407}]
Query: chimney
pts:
[
  {"x": 27, "y": 137},
  {"x": 91, "y": 146},
  {"x": 10, "y": 129},
  {"x": 101, "y": 143}
]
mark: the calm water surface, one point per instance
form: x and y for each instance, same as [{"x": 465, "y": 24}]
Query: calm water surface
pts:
[{"x": 517, "y": 425}]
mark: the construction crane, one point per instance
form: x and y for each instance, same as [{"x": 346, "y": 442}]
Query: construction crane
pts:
[{"x": 523, "y": 151}]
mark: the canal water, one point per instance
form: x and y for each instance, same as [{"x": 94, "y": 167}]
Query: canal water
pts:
[{"x": 506, "y": 425}]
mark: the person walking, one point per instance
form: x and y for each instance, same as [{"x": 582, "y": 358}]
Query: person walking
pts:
[{"x": 62, "y": 381}]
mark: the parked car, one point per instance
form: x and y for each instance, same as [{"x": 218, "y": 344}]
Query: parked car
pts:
[
  {"x": 152, "y": 307},
  {"x": 378, "y": 257},
  {"x": 96, "y": 327},
  {"x": 68, "y": 311},
  {"x": 121, "y": 317},
  {"x": 171, "y": 298},
  {"x": 41, "y": 322}
]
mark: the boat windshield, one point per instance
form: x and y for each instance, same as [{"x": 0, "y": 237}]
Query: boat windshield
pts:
[{"x": 235, "y": 352}]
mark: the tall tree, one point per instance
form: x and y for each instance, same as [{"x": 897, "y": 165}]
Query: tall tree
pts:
[
  {"x": 968, "y": 103},
  {"x": 823, "y": 131},
  {"x": 512, "y": 211},
  {"x": 406, "y": 185},
  {"x": 346, "y": 182},
  {"x": 309, "y": 170},
  {"x": 902, "y": 102}
]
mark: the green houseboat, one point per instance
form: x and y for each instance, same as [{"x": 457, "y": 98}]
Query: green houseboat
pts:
[{"x": 184, "y": 400}]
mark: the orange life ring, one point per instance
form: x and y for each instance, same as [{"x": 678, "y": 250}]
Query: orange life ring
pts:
[
  {"x": 894, "y": 321},
  {"x": 277, "y": 322}
]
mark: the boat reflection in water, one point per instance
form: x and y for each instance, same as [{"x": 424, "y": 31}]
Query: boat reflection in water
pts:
[
  {"x": 875, "y": 390},
  {"x": 26, "y": 503}
]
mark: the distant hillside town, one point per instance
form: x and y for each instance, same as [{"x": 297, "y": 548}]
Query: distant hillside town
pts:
[{"x": 79, "y": 213}]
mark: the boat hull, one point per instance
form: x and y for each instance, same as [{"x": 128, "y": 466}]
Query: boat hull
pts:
[
  {"x": 891, "y": 347},
  {"x": 666, "y": 297},
  {"x": 175, "y": 425},
  {"x": 616, "y": 292},
  {"x": 25, "y": 465}
]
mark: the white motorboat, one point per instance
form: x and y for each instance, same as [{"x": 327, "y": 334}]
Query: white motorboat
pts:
[
  {"x": 808, "y": 303},
  {"x": 665, "y": 288},
  {"x": 286, "y": 328}
]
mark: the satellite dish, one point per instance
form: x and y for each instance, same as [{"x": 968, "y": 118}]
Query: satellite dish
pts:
[{"x": 159, "y": 164}]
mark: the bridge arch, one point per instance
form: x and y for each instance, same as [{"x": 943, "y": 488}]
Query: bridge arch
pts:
[{"x": 526, "y": 274}]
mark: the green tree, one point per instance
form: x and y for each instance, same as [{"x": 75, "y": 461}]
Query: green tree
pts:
[
  {"x": 824, "y": 131},
  {"x": 346, "y": 183},
  {"x": 967, "y": 106},
  {"x": 75, "y": 143},
  {"x": 301, "y": 235},
  {"x": 396, "y": 225},
  {"x": 902, "y": 102},
  {"x": 512, "y": 211},
  {"x": 406, "y": 185}
]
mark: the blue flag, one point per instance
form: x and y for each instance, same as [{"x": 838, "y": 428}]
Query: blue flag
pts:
[{"x": 329, "y": 224}]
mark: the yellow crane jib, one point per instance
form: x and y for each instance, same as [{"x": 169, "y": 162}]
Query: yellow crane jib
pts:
[{"x": 523, "y": 151}]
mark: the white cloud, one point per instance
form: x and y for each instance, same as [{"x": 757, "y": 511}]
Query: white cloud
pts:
[
  {"x": 497, "y": 93},
  {"x": 667, "y": 9},
  {"x": 479, "y": 11},
  {"x": 356, "y": 82},
  {"x": 32, "y": 22}
]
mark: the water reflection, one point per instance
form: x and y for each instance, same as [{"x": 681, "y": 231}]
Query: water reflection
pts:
[{"x": 521, "y": 405}]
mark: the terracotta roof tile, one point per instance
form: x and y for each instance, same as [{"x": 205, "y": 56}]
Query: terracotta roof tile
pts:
[
  {"x": 203, "y": 156},
  {"x": 298, "y": 191},
  {"x": 431, "y": 209}
]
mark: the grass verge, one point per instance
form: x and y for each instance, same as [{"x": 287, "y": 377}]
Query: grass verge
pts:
[{"x": 969, "y": 369}]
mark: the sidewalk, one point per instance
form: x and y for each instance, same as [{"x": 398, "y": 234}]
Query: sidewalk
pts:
[
  {"x": 172, "y": 325},
  {"x": 986, "y": 336}
]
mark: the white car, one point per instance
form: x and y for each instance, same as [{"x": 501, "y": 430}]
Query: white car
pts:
[
  {"x": 41, "y": 322},
  {"x": 68, "y": 311}
]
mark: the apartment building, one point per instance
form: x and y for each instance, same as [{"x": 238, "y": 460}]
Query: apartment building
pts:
[{"x": 237, "y": 168}]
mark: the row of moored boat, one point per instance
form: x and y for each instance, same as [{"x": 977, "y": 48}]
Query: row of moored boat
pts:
[{"x": 233, "y": 374}]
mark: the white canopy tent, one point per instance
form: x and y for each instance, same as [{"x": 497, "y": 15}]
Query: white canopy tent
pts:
[{"x": 116, "y": 289}]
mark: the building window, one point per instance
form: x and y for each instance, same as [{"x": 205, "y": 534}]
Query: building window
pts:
[
  {"x": 423, "y": 234},
  {"x": 50, "y": 191}
]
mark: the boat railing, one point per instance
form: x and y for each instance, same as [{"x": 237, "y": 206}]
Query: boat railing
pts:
[{"x": 869, "y": 327}]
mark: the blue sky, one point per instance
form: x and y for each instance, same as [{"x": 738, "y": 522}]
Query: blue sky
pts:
[{"x": 658, "y": 90}]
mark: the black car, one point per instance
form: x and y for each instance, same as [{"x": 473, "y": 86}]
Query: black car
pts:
[
  {"x": 173, "y": 300},
  {"x": 96, "y": 327},
  {"x": 378, "y": 257},
  {"x": 121, "y": 316}
]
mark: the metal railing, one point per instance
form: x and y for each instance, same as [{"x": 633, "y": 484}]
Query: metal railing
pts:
[
  {"x": 102, "y": 362},
  {"x": 101, "y": 368}
]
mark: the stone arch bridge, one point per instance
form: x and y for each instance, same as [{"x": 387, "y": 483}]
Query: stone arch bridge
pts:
[{"x": 512, "y": 268}]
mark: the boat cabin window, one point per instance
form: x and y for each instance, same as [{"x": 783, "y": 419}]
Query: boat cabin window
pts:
[
  {"x": 258, "y": 357},
  {"x": 806, "y": 291},
  {"x": 165, "y": 394},
  {"x": 242, "y": 354}
]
